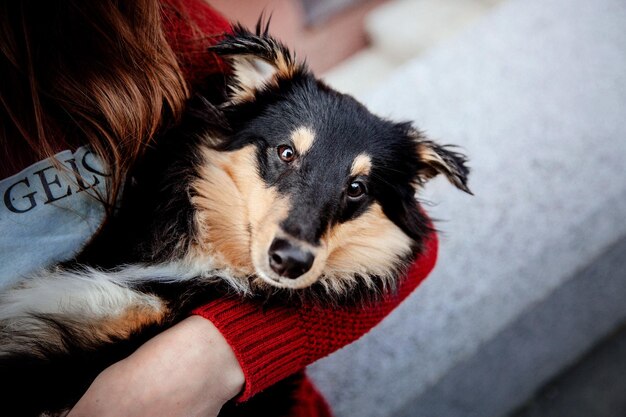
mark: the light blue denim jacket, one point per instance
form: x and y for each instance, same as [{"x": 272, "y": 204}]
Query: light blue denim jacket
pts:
[{"x": 47, "y": 213}]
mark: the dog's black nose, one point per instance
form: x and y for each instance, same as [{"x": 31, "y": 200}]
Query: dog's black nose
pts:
[{"x": 288, "y": 260}]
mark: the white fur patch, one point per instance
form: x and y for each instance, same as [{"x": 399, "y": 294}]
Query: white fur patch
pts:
[
  {"x": 251, "y": 74},
  {"x": 92, "y": 299}
]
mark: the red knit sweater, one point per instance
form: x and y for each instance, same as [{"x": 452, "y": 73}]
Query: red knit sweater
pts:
[{"x": 273, "y": 343}]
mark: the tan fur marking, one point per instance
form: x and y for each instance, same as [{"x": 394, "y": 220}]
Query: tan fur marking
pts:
[
  {"x": 367, "y": 245},
  {"x": 433, "y": 159},
  {"x": 285, "y": 67},
  {"x": 131, "y": 320},
  {"x": 221, "y": 206},
  {"x": 302, "y": 138},
  {"x": 362, "y": 165},
  {"x": 427, "y": 154}
]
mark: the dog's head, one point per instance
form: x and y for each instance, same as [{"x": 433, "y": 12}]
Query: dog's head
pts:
[{"x": 311, "y": 187}]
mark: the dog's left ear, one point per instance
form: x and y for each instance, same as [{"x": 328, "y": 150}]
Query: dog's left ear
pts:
[
  {"x": 436, "y": 159},
  {"x": 257, "y": 61}
]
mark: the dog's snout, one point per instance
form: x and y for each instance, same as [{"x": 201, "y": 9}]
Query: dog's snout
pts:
[{"x": 289, "y": 260}]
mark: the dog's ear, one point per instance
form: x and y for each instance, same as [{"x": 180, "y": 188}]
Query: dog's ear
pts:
[
  {"x": 257, "y": 61},
  {"x": 436, "y": 159}
]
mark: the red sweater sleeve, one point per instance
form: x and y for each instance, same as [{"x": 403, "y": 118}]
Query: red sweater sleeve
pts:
[{"x": 272, "y": 343}]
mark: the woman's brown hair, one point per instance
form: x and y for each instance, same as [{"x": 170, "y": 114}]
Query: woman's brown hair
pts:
[{"x": 76, "y": 72}]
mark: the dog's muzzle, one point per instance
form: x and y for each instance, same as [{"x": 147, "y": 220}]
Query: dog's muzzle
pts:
[{"x": 289, "y": 260}]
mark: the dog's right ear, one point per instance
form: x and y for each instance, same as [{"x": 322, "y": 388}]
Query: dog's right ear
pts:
[
  {"x": 257, "y": 61},
  {"x": 436, "y": 159}
]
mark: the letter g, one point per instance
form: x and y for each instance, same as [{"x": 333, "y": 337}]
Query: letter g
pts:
[{"x": 8, "y": 199}]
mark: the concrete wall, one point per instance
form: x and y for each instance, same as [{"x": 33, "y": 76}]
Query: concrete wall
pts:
[{"x": 531, "y": 269}]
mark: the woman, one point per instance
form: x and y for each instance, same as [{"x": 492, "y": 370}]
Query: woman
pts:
[{"x": 110, "y": 75}]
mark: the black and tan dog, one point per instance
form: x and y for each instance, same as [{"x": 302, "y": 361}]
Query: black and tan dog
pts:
[{"x": 283, "y": 187}]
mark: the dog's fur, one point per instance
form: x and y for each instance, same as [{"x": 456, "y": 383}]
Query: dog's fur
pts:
[{"x": 282, "y": 157}]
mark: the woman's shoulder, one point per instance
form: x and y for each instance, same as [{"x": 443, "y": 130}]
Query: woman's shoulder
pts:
[{"x": 191, "y": 26}]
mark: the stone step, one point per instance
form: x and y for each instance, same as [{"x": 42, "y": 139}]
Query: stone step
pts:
[
  {"x": 531, "y": 269},
  {"x": 360, "y": 74},
  {"x": 398, "y": 31},
  {"x": 403, "y": 29}
]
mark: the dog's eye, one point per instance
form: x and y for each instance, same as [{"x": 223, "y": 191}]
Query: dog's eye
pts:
[
  {"x": 286, "y": 153},
  {"x": 356, "y": 189}
]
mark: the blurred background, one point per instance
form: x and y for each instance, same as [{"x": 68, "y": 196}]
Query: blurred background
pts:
[
  {"x": 524, "y": 313},
  {"x": 354, "y": 44}
]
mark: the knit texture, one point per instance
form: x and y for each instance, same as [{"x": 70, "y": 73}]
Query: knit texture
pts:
[
  {"x": 272, "y": 343},
  {"x": 191, "y": 26}
]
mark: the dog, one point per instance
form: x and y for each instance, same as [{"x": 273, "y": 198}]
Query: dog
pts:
[{"x": 281, "y": 188}]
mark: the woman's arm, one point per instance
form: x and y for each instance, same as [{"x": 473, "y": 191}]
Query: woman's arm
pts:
[
  {"x": 188, "y": 370},
  {"x": 273, "y": 343},
  {"x": 198, "y": 365}
]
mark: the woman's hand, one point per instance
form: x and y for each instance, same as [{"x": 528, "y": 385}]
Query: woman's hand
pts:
[{"x": 188, "y": 370}]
